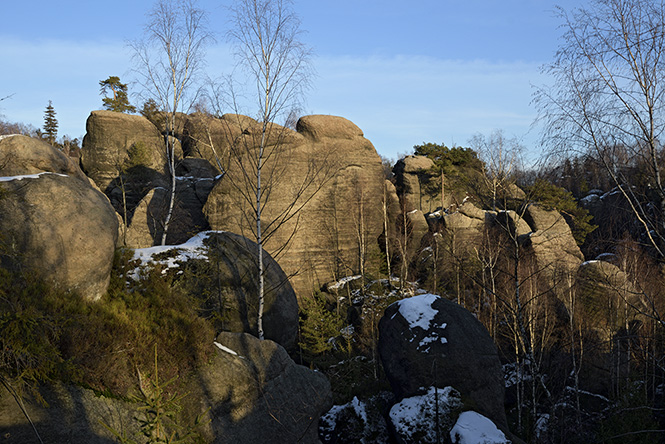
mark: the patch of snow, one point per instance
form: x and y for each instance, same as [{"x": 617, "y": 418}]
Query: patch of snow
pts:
[
  {"x": 595, "y": 191},
  {"x": 474, "y": 428},
  {"x": 542, "y": 424},
  {"x": 588, "y": 262},
  {"x": 226, "y": 349},
  {"x": 608, "y": 257},
  {"x": 194, "y": 248},
  {"x": 342, "y": 282},
  {"x": 591, "y": 198},
  {"x": 415, "y": 415},
  {"x": 418, "y": 310},
  {"x": 8, "y": 135},
  {"x": 359, "y": 408},
  {"x": 29, "y": 176}
]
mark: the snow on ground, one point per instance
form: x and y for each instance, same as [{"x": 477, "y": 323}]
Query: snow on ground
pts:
[
  {"x": 8, "y": 135},
  {"x": 474, "y": 428},
  {"x": 224, "y": 348},
  {"x": 418, "y": 312},
  {"x": 414, "y": 416},
  {"x": 342, "y": 282},
  {"x": 28, "y": 176},
  {"x": 192, "y": 249}
]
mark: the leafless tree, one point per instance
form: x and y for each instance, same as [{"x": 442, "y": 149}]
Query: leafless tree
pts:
[
  {"x": 168, "y": 59},
  {"x": 501, "y": 157},
  {"x": 266, "y": 37},
  {"x": 608, "y": 97}
]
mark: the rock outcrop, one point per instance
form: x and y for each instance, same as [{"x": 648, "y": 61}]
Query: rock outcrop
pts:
[
  {"x": 258, "y": 394},
  {"x": 53, "y": 222},
  {"x": 412, "y": 174},
  {"x": 222, "y": 274},
  {"x": 107, "y": 143},
  {"x": 253, "y": 390},
  {"x": 21, "y": 155},
  {"x": 552, "y": 241},
  {"x": 326, "y": 167},
  {"x": 427, "y": 340}
]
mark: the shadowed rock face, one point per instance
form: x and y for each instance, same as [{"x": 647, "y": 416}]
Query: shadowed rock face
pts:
[
  {"x": 429, "y": 341},
  {"x": 226, "y": 275},
  {"x": 253, "y": 390},
  {"x": 260, "y": 395},
  {"x": 60, "y": 228},
  {"x": 334, "y": 176},
  {"x": 53, "y": 222}
]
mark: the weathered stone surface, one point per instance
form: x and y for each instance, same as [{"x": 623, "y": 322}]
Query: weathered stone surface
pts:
[
  {"x": 60, "y": 228},
  {"x": 603, "y": 290},
  {"x": 146, "y": 226},
  {"x": 225, "y": 268},
  {"x": 73, "y": 415},
  {"x": 426, "y": 340},
  {"x": 260, "y": 395},
  {"x": 109, "y": 136},
  {"x": 26, "y": 155},
  {"x": 256, "y": 395},
  {"x": 339, "y": 180},
  {"x": 552, "y": 241},
  {"x": 419, "y": 228},
  {"x": 319, "y": 127},
  {"x": 411, "y": 174}
]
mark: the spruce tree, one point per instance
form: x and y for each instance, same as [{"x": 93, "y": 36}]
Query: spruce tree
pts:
[
  {"x": 50, "y": 124},
  {"x": 119, "y": 102}
]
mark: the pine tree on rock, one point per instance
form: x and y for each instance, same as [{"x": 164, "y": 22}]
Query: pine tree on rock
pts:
[
  {"x": 119, "y": 102},
  {"x": 50, "y": 124}
]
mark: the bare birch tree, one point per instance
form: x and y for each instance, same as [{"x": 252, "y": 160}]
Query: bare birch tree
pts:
[
  {"x": 608, "y": 98},
  {"x": 501, "y": 157},
  {"x": 266, "y": 35},
  {"x": 168, "y": 59}
]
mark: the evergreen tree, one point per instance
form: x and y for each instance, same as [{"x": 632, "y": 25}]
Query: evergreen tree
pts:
[
  {"x": 119, "y": 102},
  {"x": 50, "y": 124}
]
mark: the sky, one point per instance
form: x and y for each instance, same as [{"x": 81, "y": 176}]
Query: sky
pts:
[{"x": 404, "y": 72}]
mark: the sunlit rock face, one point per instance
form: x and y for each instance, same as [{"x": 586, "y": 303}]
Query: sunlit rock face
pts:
[
  {"x": 54, "y": 223},
  {"x": 324, "y": 188}
]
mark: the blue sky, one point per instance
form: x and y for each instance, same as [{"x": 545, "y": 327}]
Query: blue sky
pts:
[{"x": 404, "y": 72}]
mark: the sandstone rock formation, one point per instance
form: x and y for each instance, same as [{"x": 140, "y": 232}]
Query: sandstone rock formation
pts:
[
  {"x": 427, "y": 340},
  {"x": 326, "y": 167},
  {"x": 223, "y": 275},
  {"x": 26, "y": 155},
  {"x": 412, "y": 173},
  {"x": 258, "y": 394},
  {"x": 109, "y": 137},
  {"x": 254, "y": 391},
  {"x": 60, "y": 228},
  {"x": 53, "y": 222},
  {"x": 552, "y": 241}
]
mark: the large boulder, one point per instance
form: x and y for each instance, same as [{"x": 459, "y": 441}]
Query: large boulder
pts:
[
  {"x": 258, "y": 394},
  {"x": 110, "y": 137},
  {"x": 26, "y": 155},
  {"x": 251, "y": 391},
  {"x": 426, "y": 340},
  {"x": 412, "y": 174},
  {"x": 332, "y": 174},
  {"x": 60, "y": 228},
  {"x": 220, "y": 268},
  {"x": 552, "y": 241}
]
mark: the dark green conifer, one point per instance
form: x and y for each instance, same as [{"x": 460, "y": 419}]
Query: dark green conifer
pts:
[
  {"x": 50, "y": 124},
  {"x": 119, "y": 102}
]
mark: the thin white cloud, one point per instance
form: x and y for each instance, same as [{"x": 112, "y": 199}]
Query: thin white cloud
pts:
[{"x": 397, "y": 101}]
